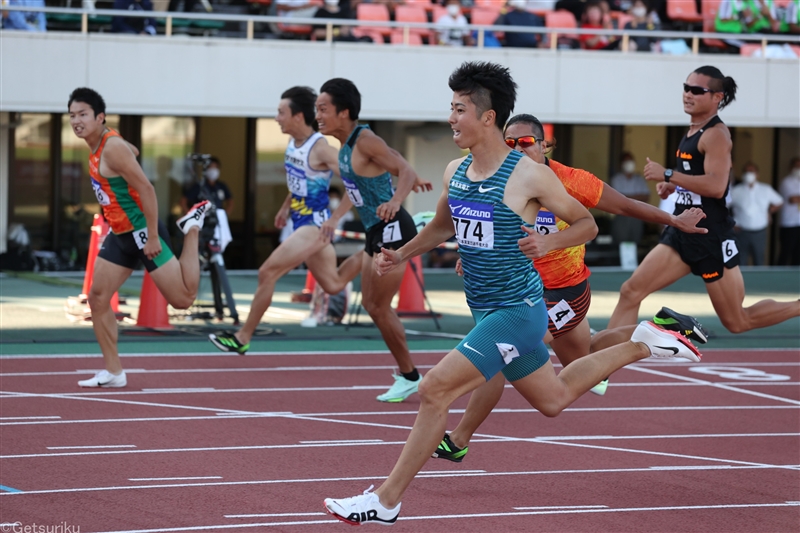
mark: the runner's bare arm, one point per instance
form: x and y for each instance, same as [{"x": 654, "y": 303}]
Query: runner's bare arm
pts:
[
  {"x": 435, "y": 232},
  {"x": 614, "y": 202},
  {"x": 118, "y": 158},
  {"x": 283, "y": 212},
  {"x": 323, "y": 156},
  {"x": 390, "y": 160},
  {"x": 716, "y": 145}
]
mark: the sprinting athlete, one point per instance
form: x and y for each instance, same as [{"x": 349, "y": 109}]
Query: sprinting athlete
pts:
[
  {"x": 566, "y": 278},
  {"x": 367, "y": 165},
  {"x": 490, "y": 202},
  {"x": 310, "y": 163},
  {"x": 701, "y": 180},
  {"x": 129, "y": 203}
]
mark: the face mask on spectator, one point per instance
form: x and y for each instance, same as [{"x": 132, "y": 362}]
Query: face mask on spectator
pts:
[
  {"x": 749, "y": 177},
  {"x": 639, "y": 12},
  {"x": 453, "y": 10},
  {"x": 333, "y": 203},
  {"x": 518, "y": 4},
  {"x": 211, "y": 174},
  {"x": 629, "y": 166}
]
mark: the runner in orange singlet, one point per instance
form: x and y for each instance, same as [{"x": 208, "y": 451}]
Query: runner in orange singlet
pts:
[
  {"x": 129, "y": 204},
  {"x": 566, "y": 276}
]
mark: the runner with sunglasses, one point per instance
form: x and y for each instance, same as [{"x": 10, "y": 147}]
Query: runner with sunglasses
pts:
[
  {"x": 701, "y": 179},
  {"x": 566, "y": 278}
]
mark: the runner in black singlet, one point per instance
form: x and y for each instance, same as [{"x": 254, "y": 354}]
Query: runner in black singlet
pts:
[{"x": 701, "y": 180}]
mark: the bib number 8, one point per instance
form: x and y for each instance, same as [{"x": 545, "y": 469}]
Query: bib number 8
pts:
[{"x": 140, "y": 237}]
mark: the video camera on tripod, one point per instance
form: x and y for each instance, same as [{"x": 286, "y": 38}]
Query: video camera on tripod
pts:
[{"x": 208, "y": 244}]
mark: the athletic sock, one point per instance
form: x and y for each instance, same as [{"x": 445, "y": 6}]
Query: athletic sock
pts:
[{"x": 411, "y": 376}]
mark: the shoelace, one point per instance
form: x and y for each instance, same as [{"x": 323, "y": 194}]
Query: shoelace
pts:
[{"x": 351, "y": 500}]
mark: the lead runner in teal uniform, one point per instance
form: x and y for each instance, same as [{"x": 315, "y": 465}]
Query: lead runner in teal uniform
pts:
[
  {"x": 366, "y": 165},
  {"x": 490, "y": 201}
]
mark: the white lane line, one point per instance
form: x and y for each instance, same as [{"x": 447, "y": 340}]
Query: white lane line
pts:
[
  {"x": 478, "y": 438},
  {"x": 173, "y": 478},
  {"x": 406, "y": 413},
  {"x": 273, "y": 515},
  {"x": 4, "y": 418},
  {"x": 476, "y": 515},
  {"x": 434, "y": 473},
  {"x": 604, "y": 471},
  {"x": 223, "y": 354},
  {"x": 561, "y": 507},
  {"x": 340, "y": 441},
  {"x": 180, "y": 390},
  {"x": 110, "y": 446},
  {"x": 712, "y": 384}
]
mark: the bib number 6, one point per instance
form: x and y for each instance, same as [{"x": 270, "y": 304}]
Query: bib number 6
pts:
[{"x": 729, "y": 250}]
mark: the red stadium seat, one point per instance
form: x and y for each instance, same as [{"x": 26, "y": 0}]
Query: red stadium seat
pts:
[
  {"x": 496, "y": 5},
  {"x": 683, "y": 11},
  {"x": 424, "y": 4},
  {"x": 379, "y": 12},
  {"x": 412, "y": 14},
  {"x": 622, "y": 19},
  {"x": 397, "y": 37},
  {"x": 376, "y": 36},
  {"x": 484, "y": 16},
  {"x": 438, "y": 12},
  {"x": 298, "y": 29},
  {"x": 561, "y": 19},
  {"x": 710, "y": 8}
]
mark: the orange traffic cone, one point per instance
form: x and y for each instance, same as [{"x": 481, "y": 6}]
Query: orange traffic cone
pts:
[
  {"x": 412, "y": 300},
  {"x": 152, "y": 306}
]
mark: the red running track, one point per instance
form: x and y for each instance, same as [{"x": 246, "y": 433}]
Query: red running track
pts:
[{"x": 255, "y": 443}]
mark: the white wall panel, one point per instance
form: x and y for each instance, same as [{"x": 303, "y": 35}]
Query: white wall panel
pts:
[{"x": 233, "y": 77}]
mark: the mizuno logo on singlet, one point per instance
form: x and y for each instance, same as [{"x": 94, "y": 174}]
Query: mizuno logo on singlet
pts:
[{"x": 487, "y": 189}]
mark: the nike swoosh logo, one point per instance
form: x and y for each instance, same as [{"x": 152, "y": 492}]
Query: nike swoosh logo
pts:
[
  {"x": 487, "y": 189},
  {"x": 670, "y": 348},
  {"x": 468, "y": 347}
]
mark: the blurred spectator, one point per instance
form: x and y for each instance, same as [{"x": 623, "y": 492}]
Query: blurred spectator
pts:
[
  {"x": 575, "y": 7},
  {"x": 747, "y": 16},
  {"x": 209, "y": 189},
  {"x": 594, "y": 19},
  {"x": 753, "y": 202},
  {"x": 189, "y": 6},
  {"x": 456, "y": 32},
  {"x": 791, "y": 17},
  {"x": 632, "y": 185},
  {"x": 335, "y": 9},
  {"x": 790, "y": 216},
  {"x": 133, "y": 24},
  {"x": 24, "y": 20},
  {"x": 516, "y": 15},
  {"x": 642, "y": 20}
]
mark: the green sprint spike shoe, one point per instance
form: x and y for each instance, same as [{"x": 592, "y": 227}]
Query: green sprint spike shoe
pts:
[
  {"x": 401, "y": 389},
  {"x": 227, "y": 342},
  {"x": 683, "y": 324},
  {"x": 451, "y": 452},
  {"x": 600, "y": 388}
]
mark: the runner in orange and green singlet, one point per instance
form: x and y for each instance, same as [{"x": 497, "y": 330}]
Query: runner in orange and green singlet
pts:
[
  {"x": 566, "y": 277},
  {"x": 129, "y": 204}
]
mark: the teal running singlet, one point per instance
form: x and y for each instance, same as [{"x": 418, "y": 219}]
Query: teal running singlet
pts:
[
  {"x": 496, "y": 272},
  {"x": 365, "y": 193}
]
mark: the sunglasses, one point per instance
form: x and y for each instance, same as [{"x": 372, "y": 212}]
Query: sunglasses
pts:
[
  {"x": 695, "y": 90},
  {"x": 524, "y": 142}
]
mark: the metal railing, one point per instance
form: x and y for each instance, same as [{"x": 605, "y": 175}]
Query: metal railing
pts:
[{"x": 86, "y": 15}]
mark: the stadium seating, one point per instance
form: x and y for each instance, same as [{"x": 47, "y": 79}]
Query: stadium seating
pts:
[
  {"x": 484, "y": 16},
  {"x": 397, "y": 37},
  {"x": 424, "y": 4},
  {"x": 379, "y": 12},
  {"x": 683, "y": 11},
  {"x": 751, "y": 49},
  {"x": 709, "y": 12},
  {"x": 412, "y": 14}
]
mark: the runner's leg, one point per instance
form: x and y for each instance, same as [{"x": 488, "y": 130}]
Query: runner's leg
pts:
[{"x": 108, "y": 278}]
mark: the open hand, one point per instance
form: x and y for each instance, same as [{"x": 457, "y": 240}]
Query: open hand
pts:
[
  {"x": 388, "y": 210},
  {"x": 687, "y": 221}
]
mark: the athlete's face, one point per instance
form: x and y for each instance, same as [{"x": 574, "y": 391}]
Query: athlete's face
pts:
[
  {"x": 703, "y": 103},
  {"x": 284, "y": 118},
  {"x": 83, "y": 120},
  {"x": 327, "y": 117},
  {"x": 534, "y": 151},
  {"x": 467, "y": 124}
]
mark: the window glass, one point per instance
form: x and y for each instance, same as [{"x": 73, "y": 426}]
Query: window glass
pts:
[{"x": 30, "y": 187}]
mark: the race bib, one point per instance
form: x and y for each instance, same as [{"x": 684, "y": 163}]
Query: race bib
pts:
[
  {"x": 102, "y": 197},
  {"x": 297, "y": 182},
  {"x": 729, "y": 250},
  {"x": 140, "y": 237},
  {"x": 687, "y": 166},
  {"x": 546, "y": 223},
  {"x": 474, "y": 223},
  {"x": 508, "y": 351},
  {"x": 687, "y": 197},
  {"x": 391, "y": 232},
  {"x": 561, "y": 314},
  {"x": 352, "y": 192},
  {"x": 321, "y": 216}
]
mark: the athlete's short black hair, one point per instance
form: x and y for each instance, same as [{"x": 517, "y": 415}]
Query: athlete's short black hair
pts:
[
  {"x": 90, "y": 97},
  {"x": 719, "y": 83},
  {"x": 530, "y": 120},
  {"x": 489, "y": 86},
  {"x": 302, "y": 100},
  {"x": 344, "y": 95}
]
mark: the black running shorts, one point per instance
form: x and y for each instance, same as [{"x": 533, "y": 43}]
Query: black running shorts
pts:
[
  {"x": 707, "y": 255},
  {"x": 567, "y": 307},
  {"x": 126, "y": 249},
  {"x": 391, "y": 235}
]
